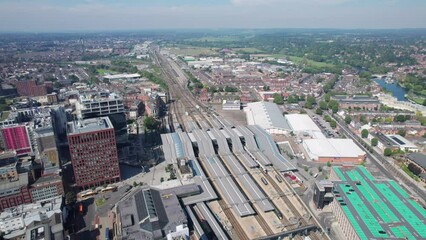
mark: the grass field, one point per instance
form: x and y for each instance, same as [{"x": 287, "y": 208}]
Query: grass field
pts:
[
  {"x": 300, "y": 60},
  {"x": 216, "y": 39},
  {"x": 105, "y": 71},
  {"x": 248, "y": 50},
  {"x": 194, "y": 51},
  {"x": 100, "y": 201}
]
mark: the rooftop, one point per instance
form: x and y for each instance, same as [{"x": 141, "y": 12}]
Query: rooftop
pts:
[
  {"x": 301, "y": 123},
  {"x": 400, "y": 141},
  {"x": 332, "y": 147},
  {"x": 378, "y": 208},
  {"x": 89, "y": 125},
  {"x": 148, "y": 213},
  {"x": 418, "y": 158},
  {"x": 265, "y": 114}
]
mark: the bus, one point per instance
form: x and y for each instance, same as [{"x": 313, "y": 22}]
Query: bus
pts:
[
  {"x": 109, "y": 189},
  {"x": 88, "y": 194},
  {"x": 81, "y": 208},
  {"x": 106, "y": 233}
]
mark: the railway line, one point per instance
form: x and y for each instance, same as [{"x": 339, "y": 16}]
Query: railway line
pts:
[{"x": 185, "y": 106}]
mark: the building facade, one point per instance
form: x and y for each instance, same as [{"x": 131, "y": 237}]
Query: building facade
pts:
[{"x": 93, "y": 152}]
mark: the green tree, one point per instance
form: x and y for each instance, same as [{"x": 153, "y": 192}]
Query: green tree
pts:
[
  {"x": 327, "y": 97},
  {"x": 335, "y": 108},
  {"x": 364, "y": 133},
  {"x": 310, "y": 101},
  {"x": 278, "y": 99},
  {"x": 323, "y": 105},
  {"x": 318, "y": 111},
  {"x": 70, "y": 197},
  {"x": 374, "y": 142},
  {"x": 402, "y": 132},
  {"x": 387, "y": 152},
  {"x": 293, "y": 99},
  {"x": 333, "y": 124},
  {"x": 348, "y": 119},
  {"x": 151, "y": 123}
]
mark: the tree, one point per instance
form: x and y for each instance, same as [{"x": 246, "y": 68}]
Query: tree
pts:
[
  {"x": 310, "y": 101},
  {"x": 293, "y": 99},
  {"x": 363, "y": 119},
  {"x": 318, "y": 111},
  {"x": 151, "y": 123},
  {"x": 402, "y": 132},
  {"x": 348, "y": 119},
  {"x": 364, "y": 133},
  {"x": 333, "y": 105},
  {"x": 335, "y": 108},
  {"x": 374, "y": 142},
  {"x": 278, "y": 99},
  {"x": 333, "y": 124},
  {"x": 327, "y": 97},
  {"x": 70, "y": 197},
  {"x": 387, "y": 152},
  {"x": 323, "y": 105}
]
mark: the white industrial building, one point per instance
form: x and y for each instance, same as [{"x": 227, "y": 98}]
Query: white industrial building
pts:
[
  {"x": 333, "y": 150},
  {"x": 268, "y": 116},
  {"x": 402, "y": 143},
  {"x": 303, "y": 125}
]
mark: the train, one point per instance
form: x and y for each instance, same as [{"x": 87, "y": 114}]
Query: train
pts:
[
  {"x": 264, "y": 181},
  {"x": 278, "y": 213}
]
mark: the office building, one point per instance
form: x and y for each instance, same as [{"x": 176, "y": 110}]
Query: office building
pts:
[
  {"x": 93, "y": 152},
  {"x": 103, "y": 104}
]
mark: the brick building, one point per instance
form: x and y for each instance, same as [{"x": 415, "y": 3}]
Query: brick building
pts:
[
  {"x": 93, "y": 152},
  {"x": 30, "y": 88}
]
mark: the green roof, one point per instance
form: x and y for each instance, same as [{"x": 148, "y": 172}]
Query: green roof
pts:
[{"x": 378, "y": 208}]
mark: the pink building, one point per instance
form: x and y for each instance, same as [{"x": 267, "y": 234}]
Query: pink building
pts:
[{"x": 16, "y": 138}]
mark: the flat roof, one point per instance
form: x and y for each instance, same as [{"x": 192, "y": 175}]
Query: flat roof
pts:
[
  {"x": 332, "y": 147},
  {"x": 265, "y": 114},
  {"x": 400, "y": 141},
  {"x": 378, "y": 208},
  {"x": 301, "y": 123},
  {"x": 89, "y": 125},
  {"x": 118, "y": 76}
]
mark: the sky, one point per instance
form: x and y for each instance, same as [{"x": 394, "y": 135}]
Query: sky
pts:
[{"x": 113, "y": 15}]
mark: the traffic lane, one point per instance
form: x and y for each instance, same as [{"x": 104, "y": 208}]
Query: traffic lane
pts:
[{"x": 111, "y": 199}]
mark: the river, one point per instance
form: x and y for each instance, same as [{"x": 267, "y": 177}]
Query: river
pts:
[{"x": 397, "y": 91}]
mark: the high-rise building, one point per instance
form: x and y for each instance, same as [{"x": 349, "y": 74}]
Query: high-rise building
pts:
[
  {"x": 16, "y": 137},
  {"x": 102, "y": 104},
  {"x": 93, "y": 152}
]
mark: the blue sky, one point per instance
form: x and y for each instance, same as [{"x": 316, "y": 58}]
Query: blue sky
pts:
[{"x": 105, "y": 15}]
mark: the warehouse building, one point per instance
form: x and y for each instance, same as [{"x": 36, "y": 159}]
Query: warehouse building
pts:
[
  {"x": 334, "y": 150},
  {"x": 268, "y": 116},
  {"x": 303, "y": 125},
  {"x": 370, "y": 208}
]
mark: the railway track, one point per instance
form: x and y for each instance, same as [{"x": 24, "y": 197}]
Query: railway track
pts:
[
  {"x": 292, "y": 208},
  {"x": 235, "y": 224},
  {"x": 184, "y": 102}
]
